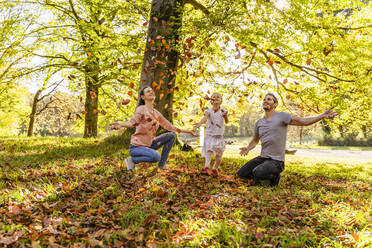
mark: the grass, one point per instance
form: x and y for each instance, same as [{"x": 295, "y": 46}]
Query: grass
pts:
[{"x": 76, "y": 192}]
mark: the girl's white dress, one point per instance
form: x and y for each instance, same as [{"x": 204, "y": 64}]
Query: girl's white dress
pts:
[{"x": 213, "y": 140}]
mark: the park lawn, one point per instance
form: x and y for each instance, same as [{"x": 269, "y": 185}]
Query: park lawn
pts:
[{"x": 76, "y": 193}]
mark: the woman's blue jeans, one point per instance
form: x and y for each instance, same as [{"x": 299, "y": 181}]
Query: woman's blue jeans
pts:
[{"x": 149, "y": 154}]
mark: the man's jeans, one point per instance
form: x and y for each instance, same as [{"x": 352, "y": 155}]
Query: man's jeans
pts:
[
  {"x": 261, "y": 168},
  {"x": 149, "y": 154}
]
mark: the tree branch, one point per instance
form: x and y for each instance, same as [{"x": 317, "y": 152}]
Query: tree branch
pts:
[
  {"x": 199, "y": 6},
  {"x": 302, "y": 68}
]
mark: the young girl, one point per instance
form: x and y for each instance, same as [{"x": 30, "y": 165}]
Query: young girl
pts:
[
  {"x": 213, "y": 140},
  {"x": 143, "y": 143}
]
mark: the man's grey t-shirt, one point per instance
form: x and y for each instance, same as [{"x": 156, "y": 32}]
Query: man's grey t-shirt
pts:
[{"x": 273, "y": 135}]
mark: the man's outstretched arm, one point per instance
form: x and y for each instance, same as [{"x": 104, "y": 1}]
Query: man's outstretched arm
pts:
[
  {"x": 305, "y": 121},
  {"x": 255, "y": 139}
]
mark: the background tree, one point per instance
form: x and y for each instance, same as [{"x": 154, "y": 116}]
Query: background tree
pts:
[
  {"x": 40, "y": 97},
  {"x": 58, "y": 119},
  {"x": 94, "y": 42}
]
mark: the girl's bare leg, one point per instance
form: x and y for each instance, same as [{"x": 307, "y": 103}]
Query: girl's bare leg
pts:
[{"x": 208, "y": 159}]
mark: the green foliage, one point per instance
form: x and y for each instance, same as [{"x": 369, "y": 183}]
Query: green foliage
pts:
[
  {"x": 315, "y": 52},
  {"x": 349, "y": 140},
  {"x": 11, "y": 99}
]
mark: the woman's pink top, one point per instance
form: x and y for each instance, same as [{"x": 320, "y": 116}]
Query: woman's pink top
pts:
[{"x": 146, "y": 123}]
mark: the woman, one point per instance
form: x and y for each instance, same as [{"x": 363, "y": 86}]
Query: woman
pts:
[{"x": 143, "y": 143}]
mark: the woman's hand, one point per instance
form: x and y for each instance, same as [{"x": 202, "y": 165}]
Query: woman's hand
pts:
[
  {"x": 193, "y": 133},
  {"x": 197, "y": 125},
  {"x": 116, "y": 126}
]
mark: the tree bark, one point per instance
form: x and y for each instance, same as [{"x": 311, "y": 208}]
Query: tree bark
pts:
[
  {"x": 159, "y": 67},
  {"x": 301, "y": 134},
  {"x": 91, "y": 109},
  {"x": 30, "y": 129}
]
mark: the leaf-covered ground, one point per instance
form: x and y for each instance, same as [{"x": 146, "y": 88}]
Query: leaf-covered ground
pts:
[{"x": 77, "y": 193}]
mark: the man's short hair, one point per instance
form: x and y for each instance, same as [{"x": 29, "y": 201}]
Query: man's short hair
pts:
[{"x": 272, "y": 94}]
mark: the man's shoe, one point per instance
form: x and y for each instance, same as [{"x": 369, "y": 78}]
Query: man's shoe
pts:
[
  {"x": 129, "y": 162},
  {"x": 275, "y": 181}
]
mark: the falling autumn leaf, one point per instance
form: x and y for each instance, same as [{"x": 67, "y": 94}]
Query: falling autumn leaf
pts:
[{"x": 125, "y": 102}]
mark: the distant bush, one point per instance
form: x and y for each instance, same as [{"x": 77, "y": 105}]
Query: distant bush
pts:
[{"x": 345, "y": 141}]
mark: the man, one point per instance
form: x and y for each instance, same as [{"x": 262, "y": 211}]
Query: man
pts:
[{"x": 272, "y": 132}]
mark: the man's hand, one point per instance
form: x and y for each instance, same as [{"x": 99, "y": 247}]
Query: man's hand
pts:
[
  {"x": 329, "y": 113},
  {"x": 244, "y": 151}
]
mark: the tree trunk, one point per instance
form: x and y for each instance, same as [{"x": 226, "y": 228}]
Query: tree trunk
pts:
[
  {"x": 341, "y": 130},
  {"x": 365, "y": 131},
  {"x": 159, "y": 67},
  {"x": 91, "y": 109},
  {"x": 30, "y": 129},
  {"x": 301, "y": 134}
]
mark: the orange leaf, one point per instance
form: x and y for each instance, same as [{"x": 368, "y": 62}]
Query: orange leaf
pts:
[
  {"x": 131, "y": 85},
  {"x": 14, "y": 210},
  {"x": 308, "y": 62},
  {"x": 154, "y": 84},
  {"x": 145, "y": 24},
  {"x": 207, "y": 43},
  {"x": 166, "y": 106},
  {"x": 89, "y": 54},
  {"x": 155, "y": 19},
  {"x": 161, "y": 96},
  {"x": 125, "y": 101},
  {"x": 130, "y": 93},
  {"x": 285, "y": 81},
  {"x": 92, "y": 94}
]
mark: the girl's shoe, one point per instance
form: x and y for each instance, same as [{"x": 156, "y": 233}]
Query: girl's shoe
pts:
[
  {"x": 214, "y": 171},
  {"x": 206, "y": 169}
]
